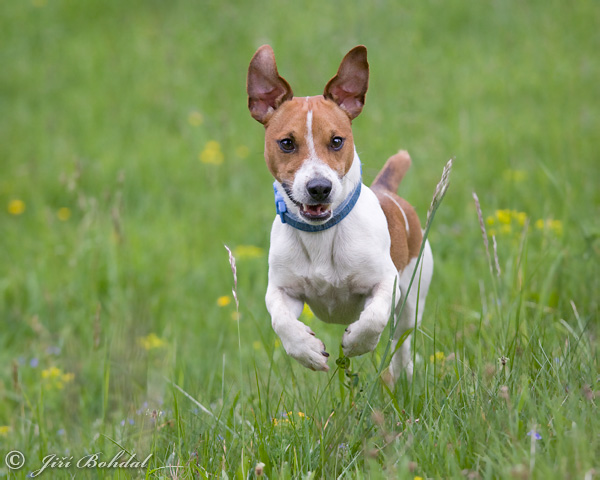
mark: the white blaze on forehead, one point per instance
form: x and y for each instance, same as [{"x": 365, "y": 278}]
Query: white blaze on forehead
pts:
[
  {"x": 313, "y": 167},
  {"x": 310, "y": 141}
]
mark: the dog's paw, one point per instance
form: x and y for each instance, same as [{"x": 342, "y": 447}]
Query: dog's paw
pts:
[
  {"x": 359, "y": 338},
  {"x": 306, "y": 348}
]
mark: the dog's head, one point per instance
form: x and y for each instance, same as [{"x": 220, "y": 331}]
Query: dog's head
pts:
[{"x": 309, "y": 146}]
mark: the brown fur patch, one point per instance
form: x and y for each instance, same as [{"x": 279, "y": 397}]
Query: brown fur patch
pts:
[
  {"x": 405, "y": 246},
  {"x": 289, "y": 121},
  {"x": 392, "y": 173}
]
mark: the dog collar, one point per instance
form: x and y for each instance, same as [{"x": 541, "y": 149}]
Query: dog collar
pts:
[{"x": 294, "y": 221}]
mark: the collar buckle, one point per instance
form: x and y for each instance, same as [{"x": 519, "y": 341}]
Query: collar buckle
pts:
[{"x": 280, "y": 206}]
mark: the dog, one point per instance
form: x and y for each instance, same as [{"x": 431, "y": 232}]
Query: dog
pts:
[{"x": 343, "y": 248}]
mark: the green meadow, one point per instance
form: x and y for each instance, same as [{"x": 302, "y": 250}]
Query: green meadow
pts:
[{"x": 129, "y": 160}]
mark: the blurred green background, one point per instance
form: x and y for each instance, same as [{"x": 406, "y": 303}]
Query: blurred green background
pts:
[{"x": 128, "y": 159}]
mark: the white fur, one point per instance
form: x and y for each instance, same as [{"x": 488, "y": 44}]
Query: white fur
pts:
[
  {"x": 345, "y": 274},
  {"x": 310, "y": 141}
]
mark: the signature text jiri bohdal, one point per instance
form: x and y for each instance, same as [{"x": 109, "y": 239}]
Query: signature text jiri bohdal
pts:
[{"x": 53, "y": 461}]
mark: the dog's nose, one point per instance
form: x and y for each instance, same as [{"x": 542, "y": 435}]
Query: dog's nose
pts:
[{"x": 319, "y": 188}]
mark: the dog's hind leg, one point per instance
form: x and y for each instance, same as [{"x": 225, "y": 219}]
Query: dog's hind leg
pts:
[{"x": 402, "y": 359}]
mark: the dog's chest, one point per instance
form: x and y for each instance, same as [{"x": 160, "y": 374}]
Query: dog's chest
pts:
[
  {"x": 333, "y": 276},
  {"x": 334, "y": 290},
  {"x": 336, "y": 306}
]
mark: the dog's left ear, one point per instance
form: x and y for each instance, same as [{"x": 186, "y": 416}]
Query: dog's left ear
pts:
[{"x": 349, "y": 86}]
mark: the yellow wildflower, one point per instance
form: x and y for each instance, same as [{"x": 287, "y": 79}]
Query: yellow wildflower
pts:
[
  {"x": 51, "y": 373},
  {"x": 5, "y": 430},
  {"x": 556, "y": 226},
  {"x": 151, "y": 341},
  {"x": 505, "y": 219},
  {"x": 63, "y": 214},
  {"x": 418, "y": 478},
  {"x": 539, "y": 224},
  {"x": 277, "y": 343},
  {"x": 300, "y": 415},
  {"x": 212, "y": 153},
  {"x": 438, "y": 357},
  {"x": 195, "y": 119},
  {"x": 242, "y": 151},
  {"x": 503, "y": 216},
  {"x": 223, "y": 301},
  {"x": 521, "y": 218},
  {"x": 235, "y": 316},
  {"x": 55, "y": 378},
  {"x": 16, "y": 207},
  {"x": 287, "y": 416},
  {"x": 242, "y": 252}
]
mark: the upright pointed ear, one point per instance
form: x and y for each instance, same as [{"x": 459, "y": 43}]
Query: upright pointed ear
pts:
[
  {"x": 349, "y": 86},
  {"x": 266, "y": 89}
]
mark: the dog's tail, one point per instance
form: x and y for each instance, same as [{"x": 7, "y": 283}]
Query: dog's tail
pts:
[{"x": 393, "y": 172}]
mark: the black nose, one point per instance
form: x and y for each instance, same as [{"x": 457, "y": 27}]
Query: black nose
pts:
[{"x": 319, "y": 188}]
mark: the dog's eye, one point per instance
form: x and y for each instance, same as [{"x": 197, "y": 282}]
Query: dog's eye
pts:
[
  {"x": 336, "y": 143},
  {"x": 287, "y": 145}
]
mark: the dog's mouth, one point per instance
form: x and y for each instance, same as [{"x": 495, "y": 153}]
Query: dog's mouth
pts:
[
  {"x": 317, "y": 212},
  {"x": 320, "y": 211}
]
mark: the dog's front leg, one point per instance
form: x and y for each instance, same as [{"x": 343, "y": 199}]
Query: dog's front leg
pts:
[
  {"x": 298, "y": 340},
  {"x": 363, "y": 335}
]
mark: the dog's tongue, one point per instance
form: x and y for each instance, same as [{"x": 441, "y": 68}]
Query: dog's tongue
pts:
[{"x": 319, "y": 209}]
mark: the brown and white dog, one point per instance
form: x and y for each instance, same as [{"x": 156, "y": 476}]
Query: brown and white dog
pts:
[{"x": 336, "y": 245}]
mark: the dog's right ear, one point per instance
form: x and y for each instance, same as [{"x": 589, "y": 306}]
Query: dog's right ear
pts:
[{"x": 266, "y": 89}]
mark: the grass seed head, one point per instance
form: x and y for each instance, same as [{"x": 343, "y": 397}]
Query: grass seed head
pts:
[
  {"x": 482, "y": 227},
  {"x": 440, "y": 190},
  {"x": 234, "y": 271}
]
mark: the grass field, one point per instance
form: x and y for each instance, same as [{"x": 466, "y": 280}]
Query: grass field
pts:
[{"x": 128, "y": 159}]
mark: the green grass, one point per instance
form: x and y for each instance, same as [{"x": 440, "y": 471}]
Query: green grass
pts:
[{"x": 106, "y": 108}]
